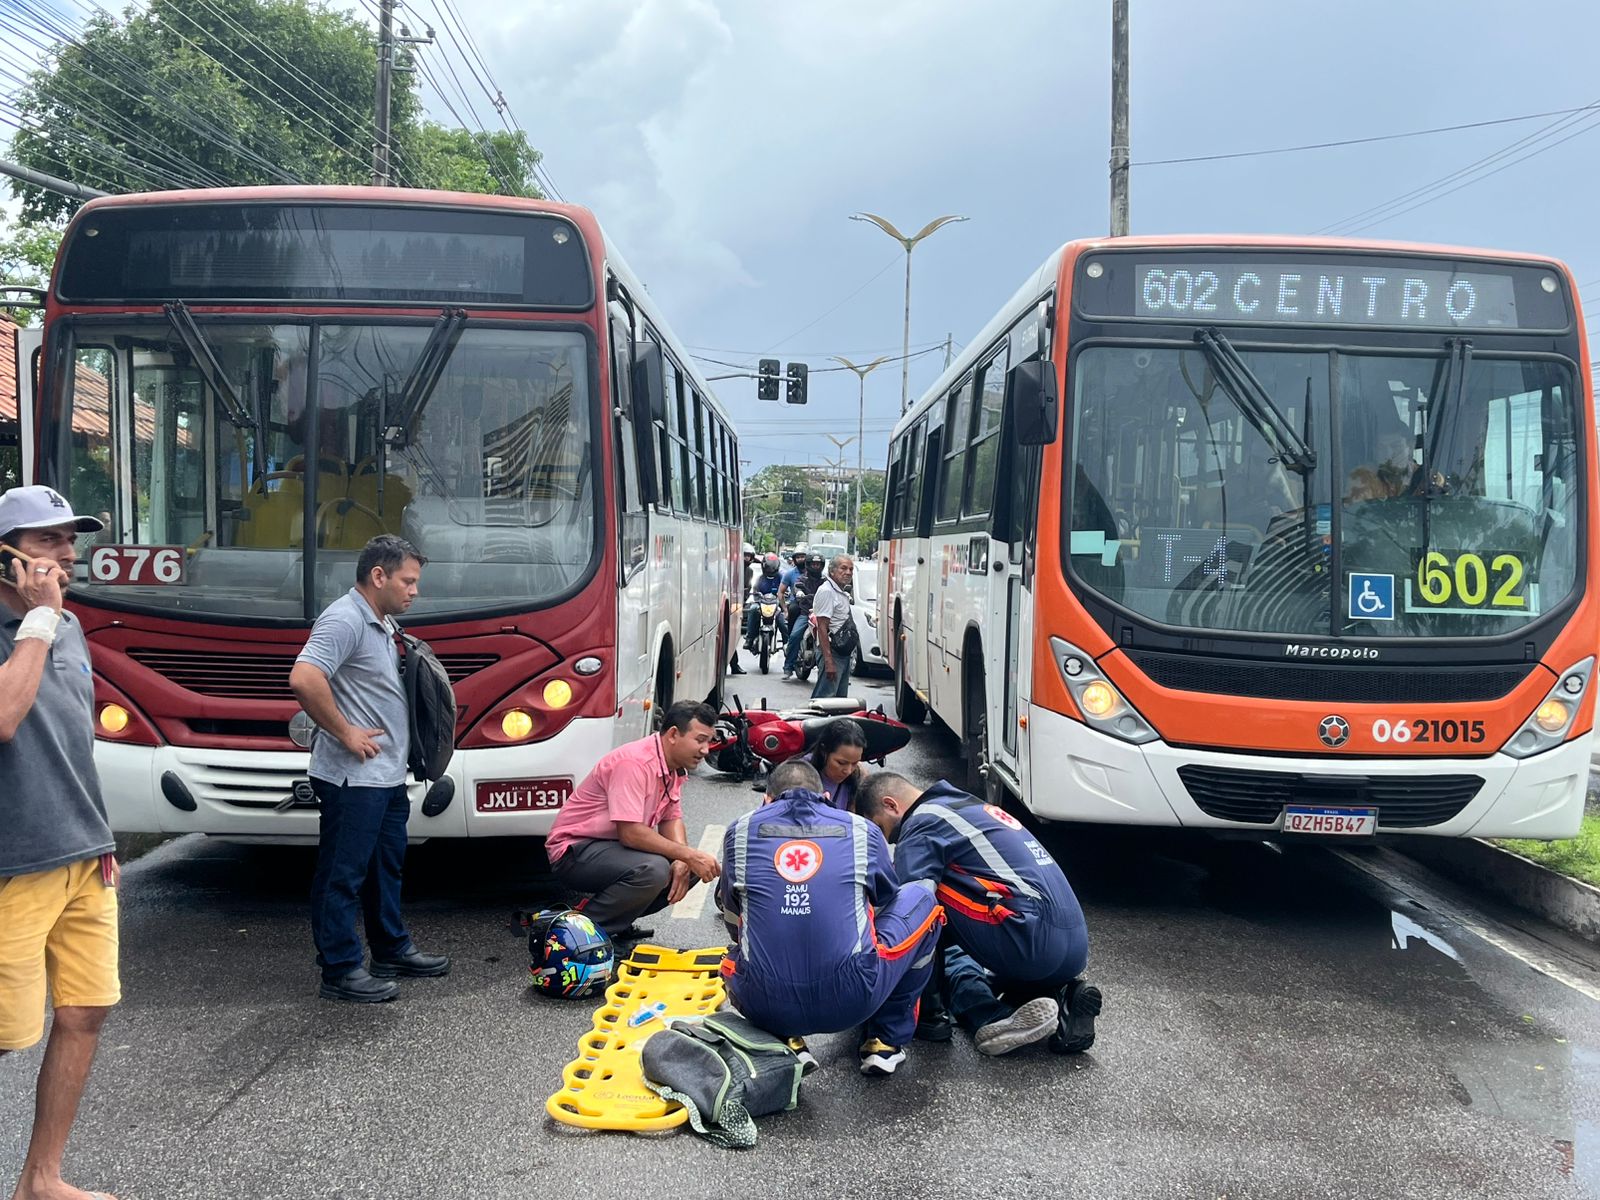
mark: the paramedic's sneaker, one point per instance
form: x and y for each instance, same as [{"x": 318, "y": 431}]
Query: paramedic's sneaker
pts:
[
  {"x": 878, "y": 1058},
  {"x": 1080, "y": 1005},
  {"x": 933, "y": 1021},
  {"x": 1033, "y": 1022},
  {"x": 808, "y": 1060}
]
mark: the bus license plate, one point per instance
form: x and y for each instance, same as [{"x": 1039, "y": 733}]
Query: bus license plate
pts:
[
  {"x": 1336, "y": 822},
  {"x": 523, "y": 795}
]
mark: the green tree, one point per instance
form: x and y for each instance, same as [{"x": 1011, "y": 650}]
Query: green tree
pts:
[
  {"x": 867, "y": 527},
  {"x": 777, "y": 499},
  {"x": 242, "y": 92},
  {"x": 27, "y": 252}
]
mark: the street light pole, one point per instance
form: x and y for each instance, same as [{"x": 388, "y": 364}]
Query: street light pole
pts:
[
  {"x": 910, "y": 244},
  {"x": 861, "y": 423},
  {"x": 838, "y": 478}
]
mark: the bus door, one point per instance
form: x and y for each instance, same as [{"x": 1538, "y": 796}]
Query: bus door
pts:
[
  {"x": 28, "y": 343},
  {"x": 1016, "y": 521},
  {"x": 633, "y": 525},
  {"x": 926, "y": 656}
]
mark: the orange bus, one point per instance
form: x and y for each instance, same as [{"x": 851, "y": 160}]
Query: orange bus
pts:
[{"x": 1259, "y": 534}]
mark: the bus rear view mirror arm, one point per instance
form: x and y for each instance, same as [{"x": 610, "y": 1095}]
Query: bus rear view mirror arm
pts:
[{"x": 1034, "y": 402}]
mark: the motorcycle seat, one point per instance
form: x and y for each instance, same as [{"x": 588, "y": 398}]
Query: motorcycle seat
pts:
[{"x": 837, "y": 705}]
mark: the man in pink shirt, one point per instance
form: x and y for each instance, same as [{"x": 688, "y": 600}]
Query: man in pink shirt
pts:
[{"x": 621, "y": 835}]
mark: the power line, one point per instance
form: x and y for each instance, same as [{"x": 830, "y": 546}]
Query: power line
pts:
[
  {"x": 1360, "y": 141},
  {"x": 870, "y": 280},
  {"x": 1473, "y": 172}
]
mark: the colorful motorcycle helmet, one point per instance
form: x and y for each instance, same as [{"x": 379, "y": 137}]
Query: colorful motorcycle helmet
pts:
[{"x": 572, "y": 957}]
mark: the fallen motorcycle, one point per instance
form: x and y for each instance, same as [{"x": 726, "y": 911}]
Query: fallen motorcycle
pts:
[{"x": 752, "y": 740}]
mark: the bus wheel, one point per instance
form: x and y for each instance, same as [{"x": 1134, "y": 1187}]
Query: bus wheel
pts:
[
  {"x": 714, "y": 697},
  {"x": 983, "y": 780},
  {"x": 908, "y": 707},
  {"x": 662, "y": 700}
]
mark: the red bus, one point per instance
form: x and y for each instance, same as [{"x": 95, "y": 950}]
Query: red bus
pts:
[
  {"x": 249, "y": 384},
  {"x": 1269, "y": 535}
]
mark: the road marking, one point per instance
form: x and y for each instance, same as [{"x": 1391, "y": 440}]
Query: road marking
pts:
[
  {"x": 693, "y": 903},
  {"x": 1442, "y": 905}
]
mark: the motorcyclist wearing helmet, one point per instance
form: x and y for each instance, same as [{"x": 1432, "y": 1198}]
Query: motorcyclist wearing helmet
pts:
[
  {"x": 766, "y": 584},
  {"x": 800, "y": 596},
  {"x": 786, "y": 580}
]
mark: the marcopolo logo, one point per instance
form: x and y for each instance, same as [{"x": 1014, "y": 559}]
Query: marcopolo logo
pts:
[{"x": 1341, "y": 653}]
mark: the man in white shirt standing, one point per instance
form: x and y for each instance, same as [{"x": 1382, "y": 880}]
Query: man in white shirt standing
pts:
[{"x": 836, "y": 629}]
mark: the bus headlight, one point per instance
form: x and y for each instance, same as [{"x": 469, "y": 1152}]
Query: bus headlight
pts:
[
  {"x": 114, "y": 718},
  {"x": 516, "y": 724},
  {"x": 1103, "y": 707},
  {"x": 1552, "y": 720},
  {"x": 558, "y": 693}
]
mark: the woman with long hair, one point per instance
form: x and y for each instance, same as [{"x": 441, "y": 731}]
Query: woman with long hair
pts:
[{"x": 837, "y": 758}]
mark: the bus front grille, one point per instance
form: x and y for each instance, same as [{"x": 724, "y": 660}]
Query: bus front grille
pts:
[
  {"x": 1258, "y": 797},
  {"x": 1349, "y": 683},
  {"x": 236, "y": 676}
]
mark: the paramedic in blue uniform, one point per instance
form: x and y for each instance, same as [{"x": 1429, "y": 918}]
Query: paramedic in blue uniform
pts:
[
  {"x": 825, "y": 939},
  {"x": 1016, "y": 944}
]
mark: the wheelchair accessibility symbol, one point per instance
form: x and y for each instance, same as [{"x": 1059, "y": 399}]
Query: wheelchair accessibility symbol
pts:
[{"x": 1371, "y": 597}]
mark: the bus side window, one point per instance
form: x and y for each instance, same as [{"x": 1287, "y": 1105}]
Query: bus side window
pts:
[
  {"x": 986, "y": 445},
  {"x": 953, "y": 466}
]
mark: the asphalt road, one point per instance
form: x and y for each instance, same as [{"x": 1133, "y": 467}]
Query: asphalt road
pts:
[{"x": 1278, "y": 1024}]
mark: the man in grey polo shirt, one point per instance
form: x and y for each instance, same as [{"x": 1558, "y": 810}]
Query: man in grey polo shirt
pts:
[{"x": 348, "y": 681}]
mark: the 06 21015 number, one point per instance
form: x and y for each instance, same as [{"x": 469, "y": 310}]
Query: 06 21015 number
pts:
[
  {"x": 1471, "y": 581},
  {"x": 1426, "y": 729}
]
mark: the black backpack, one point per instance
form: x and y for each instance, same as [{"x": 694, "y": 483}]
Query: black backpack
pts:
[{"x": 431, "y": 706}]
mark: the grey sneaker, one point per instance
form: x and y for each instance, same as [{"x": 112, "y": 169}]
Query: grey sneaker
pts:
[{"x": 1033, "y": 1022}]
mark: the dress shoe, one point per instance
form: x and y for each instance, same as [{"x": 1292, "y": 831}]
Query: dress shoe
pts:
[
  {"x": 359, "y": 987},
  {"x": 413, "y": 964},
  {"x": 633, "y": 933}
]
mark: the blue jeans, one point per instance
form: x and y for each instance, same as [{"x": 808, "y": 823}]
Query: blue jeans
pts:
[
  {"x": 839, "y": 685},
  {"x": 359, "y": 857},
  {"x": 791, "y": 654}
]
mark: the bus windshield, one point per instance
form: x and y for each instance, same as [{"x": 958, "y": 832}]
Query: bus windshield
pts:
[
  {"x": 488, "y": 473},
  {"x": 1440, "y": 496}
]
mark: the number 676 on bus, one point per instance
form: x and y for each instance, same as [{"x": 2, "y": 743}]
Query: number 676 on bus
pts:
[{"x": 137, "y": 565}]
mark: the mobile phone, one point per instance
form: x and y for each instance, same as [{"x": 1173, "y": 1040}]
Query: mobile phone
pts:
[{"x": 9, "y": 555}]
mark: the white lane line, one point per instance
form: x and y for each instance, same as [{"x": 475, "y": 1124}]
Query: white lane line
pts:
[
  {"x": 1519, "y": 950},
  {"x": 694, "y": 903}
]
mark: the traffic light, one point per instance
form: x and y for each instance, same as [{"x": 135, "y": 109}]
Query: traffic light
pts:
[
  {"x": 796, "y": 391},
  {"x": 767, "y": 379}
]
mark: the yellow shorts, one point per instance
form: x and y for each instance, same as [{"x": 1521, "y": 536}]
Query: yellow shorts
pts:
[{"x": 57, "y": 926}]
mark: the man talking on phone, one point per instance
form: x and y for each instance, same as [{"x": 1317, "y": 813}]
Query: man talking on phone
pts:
[{"x": 58, "y": 875}]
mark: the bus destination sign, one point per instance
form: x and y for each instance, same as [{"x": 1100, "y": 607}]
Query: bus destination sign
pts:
[{"x": 1311, "y": 293}]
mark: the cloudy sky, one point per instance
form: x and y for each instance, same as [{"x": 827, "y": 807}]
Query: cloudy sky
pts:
[{"x": 726, "y": 142}]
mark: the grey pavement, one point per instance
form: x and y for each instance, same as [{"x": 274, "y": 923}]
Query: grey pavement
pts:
[{"x": 1278, "y": 1023}]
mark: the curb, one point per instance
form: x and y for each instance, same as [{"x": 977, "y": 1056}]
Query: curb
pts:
[{"x": 1570, "y": 903}]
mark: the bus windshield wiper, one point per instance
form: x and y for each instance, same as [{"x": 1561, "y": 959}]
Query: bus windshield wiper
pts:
[
  {"x": 1443, "y": 407},
  {"x": 205, "y": 362},
  {"x": 424, "y": 376},
  {"x": 1255, "y": 403}
]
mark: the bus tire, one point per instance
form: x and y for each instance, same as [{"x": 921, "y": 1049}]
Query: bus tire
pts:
[
  {"x": 661, "y": 699},
  {"x": 981, "y": 779},
  {"x": 908, "y": 706},
  {"x": 714, "y": 697}
]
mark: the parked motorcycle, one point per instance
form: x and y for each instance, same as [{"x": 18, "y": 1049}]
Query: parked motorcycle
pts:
[{"x": 752, "y": 740}]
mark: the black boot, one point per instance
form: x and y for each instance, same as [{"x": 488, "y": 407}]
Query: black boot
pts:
[
  {"x": 1080, "y": 1005},
  {"x": 358, "y": 987}
]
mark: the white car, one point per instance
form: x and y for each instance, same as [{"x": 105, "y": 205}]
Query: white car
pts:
[{"x": 864, "y": 606}]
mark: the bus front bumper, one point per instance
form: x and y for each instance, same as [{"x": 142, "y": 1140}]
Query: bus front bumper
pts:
[
  {"x": 1100, "y": 779},
  {"x": 235, "y": 793}
]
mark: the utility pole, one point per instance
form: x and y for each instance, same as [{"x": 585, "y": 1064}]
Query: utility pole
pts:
[
  {"x": 380, "y": 145},
  {"x": 50, "y": 183},
  {"x": 949, "y": 338},
  {"x": 1119, "y": 118}
]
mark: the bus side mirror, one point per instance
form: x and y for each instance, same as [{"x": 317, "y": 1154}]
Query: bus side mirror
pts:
[
  {"x": 649, "y": 398},
  {"x": 1034, "y": 402}
]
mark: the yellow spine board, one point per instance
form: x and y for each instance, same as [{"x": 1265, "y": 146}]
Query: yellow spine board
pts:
[{"x": 603, "y": 1088}]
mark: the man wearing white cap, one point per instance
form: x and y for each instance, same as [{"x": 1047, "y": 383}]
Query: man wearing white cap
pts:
[{"x": 58, "y": 903}]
